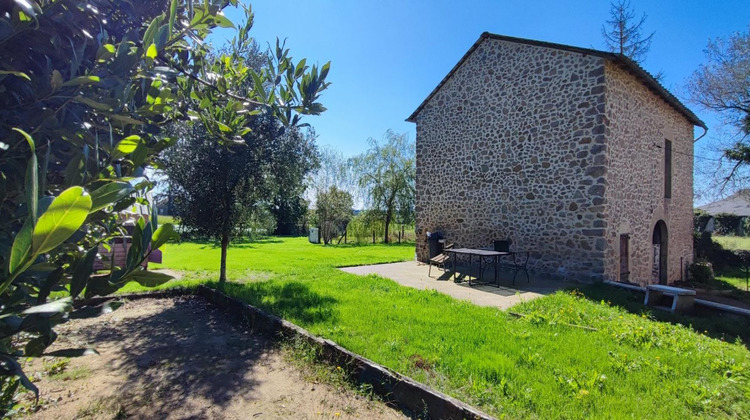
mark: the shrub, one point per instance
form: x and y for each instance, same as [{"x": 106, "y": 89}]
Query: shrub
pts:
[
  {"x": 706, "y": 249},
  {"x": 728, "y": 224},
  {"x": 700, "y": 220},
  {"x": 701, "y": 272}
]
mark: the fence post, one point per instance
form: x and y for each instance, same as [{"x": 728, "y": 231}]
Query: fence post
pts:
[{"x": 373, "y": 236}]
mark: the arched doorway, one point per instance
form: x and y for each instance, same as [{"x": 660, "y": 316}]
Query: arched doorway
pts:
[{"x": 660, "y": 253}]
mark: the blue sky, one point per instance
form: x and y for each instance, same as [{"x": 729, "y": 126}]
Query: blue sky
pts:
[{"x": 387, "y": 56}]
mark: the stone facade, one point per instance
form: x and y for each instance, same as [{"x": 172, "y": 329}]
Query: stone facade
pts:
[{"x": 554, "y": 149}]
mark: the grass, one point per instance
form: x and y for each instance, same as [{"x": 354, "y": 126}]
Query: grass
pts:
[
  {"x": 541, "y": 364},
  {"x": 733, "y": 279},
  {"x": 733, "y": 242}
]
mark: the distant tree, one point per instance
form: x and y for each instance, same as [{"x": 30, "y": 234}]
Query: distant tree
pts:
[
  {"x": 294, "y": 156},
  {"x": 333, "y": 170},
  {"x": 622, "y": 32},
  {"x": 386, "y": 173},
  {"x": 722, "y": 85},
  {"x": 333, "y": 211}
]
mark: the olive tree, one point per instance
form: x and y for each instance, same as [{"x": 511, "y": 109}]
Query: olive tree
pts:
[{"x": 87, "y": 87}]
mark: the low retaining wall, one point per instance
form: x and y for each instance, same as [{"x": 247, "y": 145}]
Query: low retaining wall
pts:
[{"x": 395, "y": 389}]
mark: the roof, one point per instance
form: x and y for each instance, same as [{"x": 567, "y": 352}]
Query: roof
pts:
[
  {"x": 645, "y": 77},
  {"x": 737, "y": 204}
]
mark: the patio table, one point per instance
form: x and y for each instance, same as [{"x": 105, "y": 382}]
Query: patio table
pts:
[{"x": 481, "y": 254}]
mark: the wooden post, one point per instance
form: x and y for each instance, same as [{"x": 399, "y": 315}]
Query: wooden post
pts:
[{"x": 373, "y": 236}]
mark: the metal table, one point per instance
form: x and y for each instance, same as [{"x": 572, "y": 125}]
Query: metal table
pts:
[
  {"x": 520, "y": 262},
  {"x": 481, "y": 254}
]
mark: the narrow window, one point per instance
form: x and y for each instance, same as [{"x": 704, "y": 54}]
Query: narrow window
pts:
[
  {"x": 624, "y": 254},
  {"x": 667, "y": 169}
]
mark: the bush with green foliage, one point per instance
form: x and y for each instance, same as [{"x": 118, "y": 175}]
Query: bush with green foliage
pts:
[
  {"x": 705, "y": 249},
  {"x": 700, "y": 220},
  {"x": 333, "y": 212},
  {"x": 701, "y": 272},
  {"x": 728, "y": 224},
  {"x": 87, "y": 87}
]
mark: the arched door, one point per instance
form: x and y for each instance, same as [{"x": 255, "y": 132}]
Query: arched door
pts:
[{"x": 660, "y": 253}]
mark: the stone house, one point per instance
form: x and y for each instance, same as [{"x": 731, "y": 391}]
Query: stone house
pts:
[{"x": 579, "y": 156}]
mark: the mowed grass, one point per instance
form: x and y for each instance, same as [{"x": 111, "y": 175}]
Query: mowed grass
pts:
[
  {"x": 733, "y": 242},
  {"x": 734, "y": 278},
  {"x": 562, "y": 356}
]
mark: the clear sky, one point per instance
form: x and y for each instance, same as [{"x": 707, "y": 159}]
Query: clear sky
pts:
[{"x": 387, "y": 56}]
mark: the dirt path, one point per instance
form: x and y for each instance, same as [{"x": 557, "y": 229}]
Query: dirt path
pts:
[{"x": 178, "y": 359}]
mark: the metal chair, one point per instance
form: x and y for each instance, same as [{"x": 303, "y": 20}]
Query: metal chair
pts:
[{"x": 440, "y": 260}]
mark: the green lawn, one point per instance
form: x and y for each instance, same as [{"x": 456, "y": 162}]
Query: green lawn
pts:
[
  {"x": 733, "y": 279},
  {"x": 733, "y": 242},
  {"x": 570, "y": 355}
]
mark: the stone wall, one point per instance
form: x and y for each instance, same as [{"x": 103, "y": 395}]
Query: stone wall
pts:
[
  {"x": 513, "y": 146},
  {"x": 639, "y": 122}
]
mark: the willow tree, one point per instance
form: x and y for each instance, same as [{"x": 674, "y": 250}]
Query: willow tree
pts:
[{"x": 386, "y": 174}]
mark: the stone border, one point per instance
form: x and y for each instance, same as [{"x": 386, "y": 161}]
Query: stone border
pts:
[{"x": 395, "y": 389}]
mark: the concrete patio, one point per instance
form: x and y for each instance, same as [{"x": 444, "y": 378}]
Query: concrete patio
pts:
[{"x": 414, "y": 274}]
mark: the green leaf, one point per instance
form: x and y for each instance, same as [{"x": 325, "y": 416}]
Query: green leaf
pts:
[
  {"x": 81, "y": 80},
  {"x": 126, "y": 146},
  {"x": 21, "y": 256},
  {"x": 152, "y": 51},
  {"x": 55, "y": 307},
  {"x": 64, "y": 216},
  {"x": 162, "y": 235},
  {"x": 148, "y": 36},
  {"x": 109, "y": 194},
  {"x": 32, "y": 187},
  {"x": 125, "y": 119},
  {"x": 223, "y": 127},
  {"x": 12, "y": 367},
  {"x": 172, "y": 15},
  {"x": 35, "y": 347},
  {"x": 82, "y": 272},
  {"x": 148, "y": 278},
  {"x": 92, "y": 103},
  {"x": 223, "y": 22},
  {"x": 28, "y": 138},
  {"x": 99, "y": 286},
  {"x": 16, "y": 73},
  {"x": 135, "y": 254}
]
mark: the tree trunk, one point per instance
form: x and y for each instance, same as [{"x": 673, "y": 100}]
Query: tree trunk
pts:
[
  {"x": 388, "y": 217},
  {"x": 223, "y": 270}
]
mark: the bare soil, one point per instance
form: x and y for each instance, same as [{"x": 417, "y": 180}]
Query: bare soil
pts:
[{"x": 181, "y": 358}]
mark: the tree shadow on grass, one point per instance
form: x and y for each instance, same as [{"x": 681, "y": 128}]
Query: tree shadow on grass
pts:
[
  {"x": 293, "y": 301},
  {"x": 715, "y": 324}
]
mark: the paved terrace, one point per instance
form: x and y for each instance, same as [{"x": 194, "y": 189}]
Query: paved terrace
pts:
[{"x": 414, "y": 274}]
